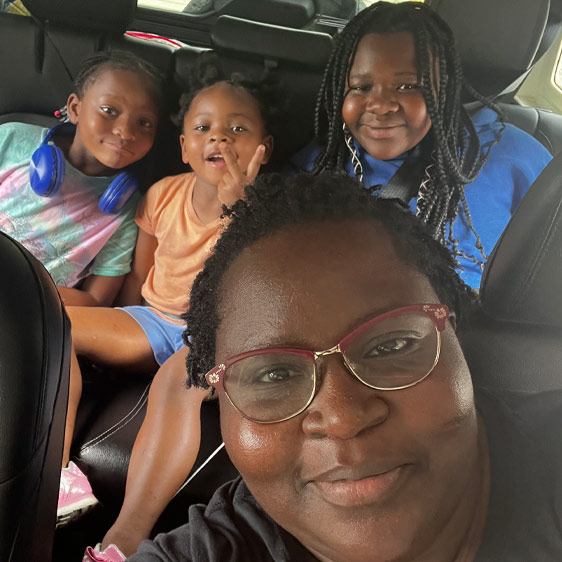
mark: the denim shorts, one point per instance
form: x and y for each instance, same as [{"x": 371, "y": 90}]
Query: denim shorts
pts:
[{"x": 165, "y": 337}]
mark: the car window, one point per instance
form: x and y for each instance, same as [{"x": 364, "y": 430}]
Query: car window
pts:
[
  {"x": 200, "y": 6},
  {"x": 336, "y": 8},
  {"x": 190, "y": 21},
  {"x": 543, "y": 85}
]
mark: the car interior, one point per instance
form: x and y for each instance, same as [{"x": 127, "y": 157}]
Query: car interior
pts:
[{"x": 513, "y": 341}]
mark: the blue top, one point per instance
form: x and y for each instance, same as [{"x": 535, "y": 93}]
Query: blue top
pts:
[{"x": 513, "y": 165}]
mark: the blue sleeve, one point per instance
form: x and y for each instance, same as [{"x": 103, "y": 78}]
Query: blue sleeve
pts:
[
  {"x": 527, "y": 158},
  {"x": 517, "y": 150},
  {"x": 303, "y": 160}
]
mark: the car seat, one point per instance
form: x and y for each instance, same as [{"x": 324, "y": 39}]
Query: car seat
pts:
[
  {"x": 514, "y": 341},
  {"x": 510, "y": 36},
  {"x": 34, "y": 368}
]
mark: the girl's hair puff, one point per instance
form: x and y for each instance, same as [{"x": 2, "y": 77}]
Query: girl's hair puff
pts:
[
  {"x": 265, "y": 89},
  {"x": 274, "y": 203},
  {"x": 452, "y": 152},
  {"x": 94, "y": 65}
]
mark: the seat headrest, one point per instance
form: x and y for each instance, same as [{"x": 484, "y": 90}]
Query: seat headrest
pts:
[
  {"x": 235, "y": 35},
  {"x": 497, "y": 41},
  {"x": 522, "y": 280},
  {"x": 288, "y": 13},
  {"x": 103, "y": 15}
]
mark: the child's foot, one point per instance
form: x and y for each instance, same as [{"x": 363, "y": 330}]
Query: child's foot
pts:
[
  {"x": 125, "y": 537},
  {"x": 75, "y": 495},
  {"x": 110, "y": 554}
]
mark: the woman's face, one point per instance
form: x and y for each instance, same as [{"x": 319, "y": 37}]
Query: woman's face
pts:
[{"x": 358, "y": 468}]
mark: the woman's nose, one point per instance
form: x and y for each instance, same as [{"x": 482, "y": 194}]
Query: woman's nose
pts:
[{"x": 343, "y": 406}]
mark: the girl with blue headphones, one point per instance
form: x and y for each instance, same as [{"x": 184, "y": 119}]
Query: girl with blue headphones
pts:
[{"x": 67, "y": 194}]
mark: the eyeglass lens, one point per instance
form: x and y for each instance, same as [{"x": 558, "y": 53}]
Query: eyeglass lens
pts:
[{"x": 394, "y": 353}]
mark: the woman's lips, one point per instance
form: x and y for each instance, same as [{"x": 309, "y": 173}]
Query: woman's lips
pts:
[{"x": 363, "y": 491}]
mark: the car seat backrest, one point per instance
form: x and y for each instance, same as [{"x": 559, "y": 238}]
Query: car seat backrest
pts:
[
  {"x": 543, "y": 124},
  {"x": 103, "y": 15},
  {"x": 287, "y": 13},
  {"x": 40, "y": 56},
  {"x": 34, "y": 367},
  {"x": 515, "y": 342},
  {"x": 497, "y": 41}
]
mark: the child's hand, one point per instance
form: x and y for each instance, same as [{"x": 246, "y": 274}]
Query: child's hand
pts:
[{"x": 231, "y": 186}]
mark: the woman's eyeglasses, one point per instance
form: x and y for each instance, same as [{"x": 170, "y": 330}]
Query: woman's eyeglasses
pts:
[{"x": 392, "y": 351}]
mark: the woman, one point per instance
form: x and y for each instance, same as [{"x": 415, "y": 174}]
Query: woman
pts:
[{"x": 376, "y": 448}]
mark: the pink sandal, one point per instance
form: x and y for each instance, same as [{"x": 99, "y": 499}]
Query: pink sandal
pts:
[{"x": 110, "y": 554}]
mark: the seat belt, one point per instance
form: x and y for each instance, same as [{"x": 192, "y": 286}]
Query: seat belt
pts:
[{"x": 405, "y": 182}]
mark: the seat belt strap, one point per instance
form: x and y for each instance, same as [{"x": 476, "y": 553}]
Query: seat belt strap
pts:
[{"x": 405, "y": 182}]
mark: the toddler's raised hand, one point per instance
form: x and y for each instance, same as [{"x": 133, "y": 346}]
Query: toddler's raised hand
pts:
[{"x": 231, "y": 186}]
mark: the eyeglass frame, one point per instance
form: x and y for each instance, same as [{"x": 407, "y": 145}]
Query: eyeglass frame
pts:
[{"x": 438, "y": 313}]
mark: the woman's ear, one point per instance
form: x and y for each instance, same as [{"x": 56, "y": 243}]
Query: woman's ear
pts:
[
  {"x": 453, "y": 320},
  {"x": 268, "y": 143},
  {"x": 73, "y": 105}
]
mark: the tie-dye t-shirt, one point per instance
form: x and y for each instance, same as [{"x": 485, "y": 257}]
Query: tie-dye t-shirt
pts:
[{"x": 67, "y": 232}]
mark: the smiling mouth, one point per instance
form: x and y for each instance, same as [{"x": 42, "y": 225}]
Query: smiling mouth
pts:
[
  {"x": 381, "y": 132},
  {"x": 216, "y": 160},
  {"x": 363, "y": 491}
]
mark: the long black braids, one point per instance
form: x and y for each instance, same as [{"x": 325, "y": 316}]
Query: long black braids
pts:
[{"x": 452, "y": 151}]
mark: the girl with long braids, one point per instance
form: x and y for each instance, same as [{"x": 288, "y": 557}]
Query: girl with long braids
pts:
[{"x": 393, "y": 91}]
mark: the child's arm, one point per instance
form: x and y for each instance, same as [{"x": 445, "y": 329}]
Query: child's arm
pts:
[
  {"x": 144, "y": 259},
  {"x": 163, "y": 455},
  {"x": 97, "y": 290},
  {"x": 100, "y": 290}
]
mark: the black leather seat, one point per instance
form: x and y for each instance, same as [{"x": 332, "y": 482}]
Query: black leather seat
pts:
[
  {"x": 495, "y": 58},
  {"x": 516, "y": 340},
  {"x": 34, "y": 366}
]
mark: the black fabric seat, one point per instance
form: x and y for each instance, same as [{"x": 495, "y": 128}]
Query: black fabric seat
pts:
[{"x": 34, "y": 367}]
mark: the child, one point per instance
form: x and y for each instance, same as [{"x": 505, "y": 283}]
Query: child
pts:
[
  {"x": 225, "y": 140},
  {"x": 393, "y": 84},
  {"x": 114, "y": 112}
]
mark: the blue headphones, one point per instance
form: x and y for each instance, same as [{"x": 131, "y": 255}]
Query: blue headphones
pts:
[{"x": 47, "y": 169}]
